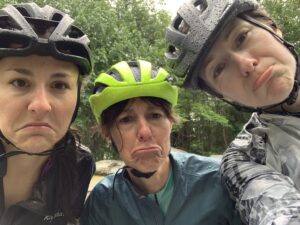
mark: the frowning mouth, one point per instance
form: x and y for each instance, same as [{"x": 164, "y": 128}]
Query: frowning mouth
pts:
[
  {"x": 146, "y": 150},
  {"x": 36, "y": 125},
  {"x": 152, "y": 148},
  {"x": 263, "y": 78}
]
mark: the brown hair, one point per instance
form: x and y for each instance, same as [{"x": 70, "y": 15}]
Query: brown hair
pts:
[{"x": 261, "y": 15}]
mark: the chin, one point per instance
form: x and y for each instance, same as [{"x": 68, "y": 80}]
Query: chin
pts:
[{"x": 35, "y": 148}]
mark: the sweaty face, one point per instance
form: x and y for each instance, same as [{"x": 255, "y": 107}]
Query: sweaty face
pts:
[
  {"x": 39, "y": 94},
  {"x": 141, "y": 134},
  {"x": 250, "y": 66}
]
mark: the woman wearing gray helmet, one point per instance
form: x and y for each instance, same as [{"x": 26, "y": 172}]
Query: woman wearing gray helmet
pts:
[
  {"x": 234, "y": 50},
  {"x": 44, "y": 171}
]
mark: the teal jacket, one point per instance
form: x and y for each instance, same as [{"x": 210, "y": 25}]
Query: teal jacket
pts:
[{"x": 198, "y": 198}]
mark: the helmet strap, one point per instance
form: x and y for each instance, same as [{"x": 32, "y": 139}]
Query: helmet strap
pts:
[
  {"x": 134, "y": 171},
  {"x": 77, "y": 103},
  {"x": 22, "y": 152},
  {"x": 140, "y": 174}
]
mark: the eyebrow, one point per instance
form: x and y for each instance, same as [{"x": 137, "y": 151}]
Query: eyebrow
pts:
[
  {"x": 29, "y": 73},
  {"x": 61, "y": 75},
  {"x": 234, "y": 24},
  {"x": 21, "y": 71}
]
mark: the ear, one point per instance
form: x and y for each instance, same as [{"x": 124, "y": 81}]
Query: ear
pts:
[
  {"x": 227, "y": 99},
  {"x": 105, "y": 133},
  {"x": 278, "y": 32},
  {"x": 275, "y": 28}
]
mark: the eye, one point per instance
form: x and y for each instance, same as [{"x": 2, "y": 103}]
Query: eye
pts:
[
  {"x": 60, "y": 85},
  {"x": 125, "y": 119},
  {"x": 241, "y": 39},
  {"x": 218, "y": 70},
  {"x": 156, "y": 115},
  {"x": 20, "y": 83}
]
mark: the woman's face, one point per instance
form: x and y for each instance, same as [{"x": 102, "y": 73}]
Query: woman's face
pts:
[
  {"x": 38, "y": 96},
  {"x": 141, "y": 134},
  {"x": 250, "y": 66}
]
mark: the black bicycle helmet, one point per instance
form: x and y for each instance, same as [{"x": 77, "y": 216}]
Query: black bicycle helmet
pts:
[
  {"x": 195, "y": 29},
  {"x": 28, "y": 29}
]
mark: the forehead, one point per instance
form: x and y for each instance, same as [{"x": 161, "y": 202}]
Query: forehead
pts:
[
  {"x": 233, "y": 25},
  {"x": 140, "y": 103},
  {"x": 225, "y": 37},
  {"x": 34, "y": 64}
]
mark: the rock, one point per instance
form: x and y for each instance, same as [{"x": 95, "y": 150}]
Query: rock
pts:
[{"x": 106, "y": 167}]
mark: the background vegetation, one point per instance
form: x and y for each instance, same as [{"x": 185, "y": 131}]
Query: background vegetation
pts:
[{"x": 135, "y": 29}]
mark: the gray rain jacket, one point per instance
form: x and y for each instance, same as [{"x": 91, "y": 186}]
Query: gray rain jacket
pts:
[{"x": 261, "y": 170}]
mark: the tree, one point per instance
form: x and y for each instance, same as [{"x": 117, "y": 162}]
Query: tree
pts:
[
  {"x": 135, "y": 29},
  {"x": 287, "y": 14}
]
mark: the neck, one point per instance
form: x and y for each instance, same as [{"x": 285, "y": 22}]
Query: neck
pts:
[
  {"x": 156, "y": 182},
  {"x": 23, "y": 172}
]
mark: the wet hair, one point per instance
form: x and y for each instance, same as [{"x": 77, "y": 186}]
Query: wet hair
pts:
[{"x": 261, "y": 15}]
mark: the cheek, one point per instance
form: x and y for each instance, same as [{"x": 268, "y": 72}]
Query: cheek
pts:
[
  {"x": 117, "y": 139},
  {"x": 66, "y": 108},
  {"x": 10, "y": 114}
]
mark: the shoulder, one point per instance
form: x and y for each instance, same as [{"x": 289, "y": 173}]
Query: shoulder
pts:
[
  {"x": 195, "y": 164},
  {"x": 106, "y": 184},
  {"x": 84, "y": 153},
  {"x": 102, "y": 192}
]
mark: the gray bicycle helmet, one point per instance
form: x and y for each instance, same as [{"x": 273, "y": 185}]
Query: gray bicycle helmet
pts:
[
  {"x": 22, "y": 27},
  {"x": 195, "y": 29}
]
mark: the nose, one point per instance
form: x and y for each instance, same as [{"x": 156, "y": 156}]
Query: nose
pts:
[
  {"x": 245, "y": 63},
  {"x": 39, "y": 102},
  {"x": 144, "y": 132}
]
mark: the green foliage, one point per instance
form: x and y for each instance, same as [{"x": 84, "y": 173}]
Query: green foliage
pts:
[
  {"x": 287, "y": 14},
  {"x": 132, "y": 29}
]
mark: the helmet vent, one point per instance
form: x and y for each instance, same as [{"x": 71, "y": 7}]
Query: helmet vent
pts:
[
  {"x": 13, "y": 42},
  {"x": 136, "y": 73},
  {"x": 23, "y": 11},
  {"x": 6, "y": 23},
  {"x": 115, "y": 75},
  {"x": 154, "y": 73},
  {"x": 201, "y": 5},
  {"x": 99, "y": 88},
  {"x": 184, "y": 27},
  {"x": 75, "y": 33},
  {"x": 57, "y": 17},
  {"x": 173, "y": 52}
]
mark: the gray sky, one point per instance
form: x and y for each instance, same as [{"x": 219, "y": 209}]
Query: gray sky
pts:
[{"x": 173, "y": 5}]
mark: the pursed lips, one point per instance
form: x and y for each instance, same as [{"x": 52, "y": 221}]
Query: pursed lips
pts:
[
  {"x": 263, "y": 77},
  {"x": 36, "y": 125},
  {"x": 146, "y": 148}
]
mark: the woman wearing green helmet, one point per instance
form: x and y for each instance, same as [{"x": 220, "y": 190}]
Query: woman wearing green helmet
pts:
[
  {"x": 44, "y": 170},
  {"x": 134, "y": 105},
  {"x": 235, "y": 51}
]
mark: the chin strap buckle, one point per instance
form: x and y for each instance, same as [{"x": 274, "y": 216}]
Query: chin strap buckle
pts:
[{"x": 294, "y": 94}]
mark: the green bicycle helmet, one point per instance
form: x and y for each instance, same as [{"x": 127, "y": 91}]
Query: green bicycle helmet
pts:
[{"x": 126, "y": 80}]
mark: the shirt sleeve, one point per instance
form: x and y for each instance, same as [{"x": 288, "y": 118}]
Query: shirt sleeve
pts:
[{"x": 262, "y": 195}]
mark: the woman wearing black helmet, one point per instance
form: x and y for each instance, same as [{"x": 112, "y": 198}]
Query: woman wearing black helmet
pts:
[
  {"x": 44, "y": 170},
  {"x": 134, "y": 104},
  {"x": 235, "y": 51}
]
